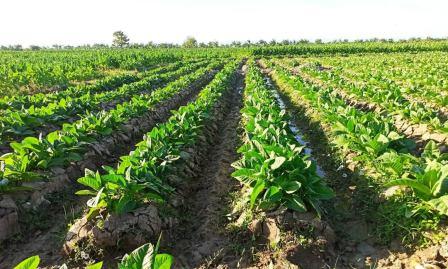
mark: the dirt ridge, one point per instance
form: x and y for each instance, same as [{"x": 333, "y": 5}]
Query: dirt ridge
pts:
[{"x": 200, "y": 241}]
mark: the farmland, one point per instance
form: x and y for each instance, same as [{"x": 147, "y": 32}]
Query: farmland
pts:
[{"x": 298, "y": 156}]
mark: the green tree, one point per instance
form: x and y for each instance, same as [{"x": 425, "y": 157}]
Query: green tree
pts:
[
  {"x": 213, "y": 44},
  {"x": 34, "y": 47},
  {"x": 191, "y": 42},
  {"x": 120, "y": 39}
]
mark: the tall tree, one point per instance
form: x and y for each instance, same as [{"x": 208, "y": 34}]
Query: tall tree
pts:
[
  {"x": 120, "y": 39},
  {"x": 191, "y": 42}
]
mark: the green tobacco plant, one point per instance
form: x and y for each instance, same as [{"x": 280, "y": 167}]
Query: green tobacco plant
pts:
[
  {"x": 34, "y": 261},
  {"x": 142, "y": 176},
  {"x": 11, "y": 181},
  {"x": 385, "y": 93},
  {"x": 119, "y": 193},
  {"x": 56, "y": 149},
  {"x": 370, "y": 141},
  {"x": 144, "y": 257},
  {"x": 367, "y": 135},
  {"x": 21, "y": 122},
  {"x": 147, "y": 257},
  {"x": 428, "y": 181},
  {"x": 272, "y": 163},
  {"x": 64, "y": 146}
]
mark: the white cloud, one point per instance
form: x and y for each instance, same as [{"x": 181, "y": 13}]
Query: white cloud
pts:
[{"x": 47, "y": 22}]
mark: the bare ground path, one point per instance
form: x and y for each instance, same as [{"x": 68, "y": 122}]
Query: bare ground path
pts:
[{"x": 200, "y": 241}]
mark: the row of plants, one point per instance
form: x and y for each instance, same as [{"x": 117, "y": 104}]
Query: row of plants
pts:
[
  {"x": 27, "y": 72},
  {"x": 144, "y": 257},
  {"x": 35, "y": 71},
  {"x": 34, "y": 155},
  {"x": 142, "y": 175},
  {"x": 17, "y": 124},
  {"x": 108, "y": 83},
  {"x": 343, "y": 48},
  {"x": 419, "y": 78},
  {"x": 145, "y": 177},
  {"x": 367, "y": 133},
  {"x": 272, "y": 163},
  {"x": 418, "y": 74},
  {"x": 371, "y": 143},
  {"x": 385, "y": 94}
]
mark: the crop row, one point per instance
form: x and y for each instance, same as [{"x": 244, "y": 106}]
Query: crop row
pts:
[
  {"x": 145, "y": 168},
  {"x": 386, "y": 95},
  {"x": 147, "y": 178},
  {"x": 351, "y": 48},
  {"x": 371, "y": 144},
  {"x": 17, "y": 124},
  {"x": 417, "y": 74},
  {"x": 146, "y": 256},
  {"x": 106, "y": 84},
  {"x": 29, "y": 72},
  {"x": 272, "y": 163},
  {"x": 410, "y": 118},
  {"x": 435, "y": 102},
  {"x": 60, "y": 148},
  {"x": 427, "y": 95}
]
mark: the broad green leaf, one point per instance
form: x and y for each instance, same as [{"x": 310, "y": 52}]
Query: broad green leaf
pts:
[
  {"x": 273, "y": 194},
  {"x": 243, "y": 172},
  {"x": 322, "y": 191},
  {"x": 278, "y": 162},
  {"x": 393, "y": 136},
  {"x": 91, "y": 182},
  {"x": 295, "y": 203},
  {"x": 93, "y": 202},
  {"x": 124, "y": 204},
  {"x": 291, "y": 186},
  {"x": 141, "y": 258},
  {"x": 85, "y": 192},
  {"x": 415, "y": 185},
  {"x": 258, "y": 188},
  {"x": 24, "y": 164},
  {"x": 163, "y": 261},
  {"x": 440, "y": 204},
  {"x": 98, "y": 265},
  {"x": 117, "y": 179},
  {"x": 52, "y": 137},
  {"x": 30, "y": 141},
  {"x": 68, "y": 140},
  {"x": 43, "y": 164},
  {"x": 431, "y": 150},
  {"x": 351, "y": 126},
  {"x": 383, "y": 139}
]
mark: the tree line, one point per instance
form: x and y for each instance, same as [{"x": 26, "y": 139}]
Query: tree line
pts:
[{"x": 121, "y": 40}]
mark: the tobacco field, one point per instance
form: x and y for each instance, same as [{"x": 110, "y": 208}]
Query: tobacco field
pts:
[{"x": 300, "y": 156}]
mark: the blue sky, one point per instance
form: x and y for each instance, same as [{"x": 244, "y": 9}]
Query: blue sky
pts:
[{"x": 47, "y": 22}]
